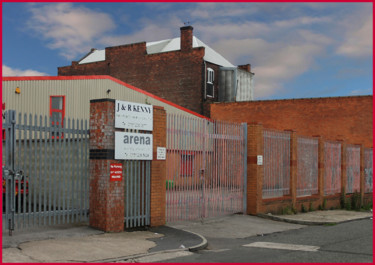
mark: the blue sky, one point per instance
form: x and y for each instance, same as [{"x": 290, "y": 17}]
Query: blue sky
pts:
[{"x": 296, "y": 50}]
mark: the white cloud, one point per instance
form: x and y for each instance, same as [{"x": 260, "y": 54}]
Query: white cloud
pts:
[
  {"x": 70, "y": 29},
  {"x": 7, "y": 71},
  {"x": 220, "y": 10},
  {"x": 312, "y": 37},
  {"x": 274, "y": 62},
  {"x": 358, "y": 41},
  {"x": 282, "y": 64},
  {"x": 300, "y": 21},
  {"x": 151, "y": 31},
  {"x": 217, "y": 32},
  {"x": 361, "y": 92}
]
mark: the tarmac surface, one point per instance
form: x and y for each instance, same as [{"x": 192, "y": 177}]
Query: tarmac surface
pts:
[{"x": 80, "y": 243}]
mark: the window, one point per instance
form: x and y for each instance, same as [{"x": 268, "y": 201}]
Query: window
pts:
[
  {"x": 187, "y": 165},
  {"x": 57, "y": 111},
  {"x": 210, "y": 83}
]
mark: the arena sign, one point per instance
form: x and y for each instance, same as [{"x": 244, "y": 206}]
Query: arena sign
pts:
[{"x": 133, "y": 146}]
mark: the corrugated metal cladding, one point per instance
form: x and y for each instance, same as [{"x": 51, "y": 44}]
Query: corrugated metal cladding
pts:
[
  {"x": 235, "y": 85},
  {"x": 35, "y": 96}
]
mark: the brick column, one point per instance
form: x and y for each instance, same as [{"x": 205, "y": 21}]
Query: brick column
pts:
[
  {"x": 320, "y": 168},
  {"x": 254, "y": 172},
  {"x": 106, "y": 197},
  {"x": 293, "y": 166},
  {"x": 158, "y": 169},
  {"x": 362, "y": 172},
  {"x": 343, "y": 167}
]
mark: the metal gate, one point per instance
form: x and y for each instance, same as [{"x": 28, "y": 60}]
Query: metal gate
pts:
[
  {"x": 45, "y": 171},
  {"x": 137, "y": 193},
  {"x": 206, "y": 168}
]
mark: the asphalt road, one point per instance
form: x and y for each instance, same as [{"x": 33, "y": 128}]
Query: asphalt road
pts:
[{"x": 341, "y": 243}]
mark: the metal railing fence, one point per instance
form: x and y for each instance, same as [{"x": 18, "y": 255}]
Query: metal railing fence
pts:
[
  {"x": 276, "y": 181},
  {"x": 353, "y": 168},
  {"x": 307, "y": 166},
  {"x": 368, "y": 170},
  {"x": 332, "y": 168},
  {"x": 45, "y": 171}
]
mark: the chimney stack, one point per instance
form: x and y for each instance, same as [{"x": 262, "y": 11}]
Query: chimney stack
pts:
[
  {"x": 246, "y": 67},
  {"x": 186, "y": 38}
]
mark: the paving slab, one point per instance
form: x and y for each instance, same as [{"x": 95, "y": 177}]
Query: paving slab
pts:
[
  {"x": 85, "y": 249},
  {"x": 321, "y": 217},
  {"x": 234, "y": 226}
]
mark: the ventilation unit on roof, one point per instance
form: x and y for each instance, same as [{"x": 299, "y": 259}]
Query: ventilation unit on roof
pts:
[{"x": 235, "y": 85}]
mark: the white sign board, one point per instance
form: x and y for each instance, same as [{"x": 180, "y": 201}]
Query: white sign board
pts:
[
  {"x": 133, "y": 146},
  {"x": 260, "y": 160},
  {"x": 129, "y": 115},
  {"x": 161, "y": 153}
]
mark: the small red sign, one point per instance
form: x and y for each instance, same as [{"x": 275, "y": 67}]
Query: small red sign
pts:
[{"x": 116, "y": 172}]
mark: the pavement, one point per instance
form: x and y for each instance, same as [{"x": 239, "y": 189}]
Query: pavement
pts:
[{"x": 80, "y": 243}]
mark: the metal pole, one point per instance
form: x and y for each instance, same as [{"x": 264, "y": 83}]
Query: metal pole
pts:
[{"x": 245, "y": 168}]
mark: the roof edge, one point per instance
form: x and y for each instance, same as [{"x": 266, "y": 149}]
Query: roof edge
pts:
[{"x": 95, "y": 77}]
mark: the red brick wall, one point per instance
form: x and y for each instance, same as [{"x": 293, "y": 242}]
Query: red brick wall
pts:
[
  {"x": 256, "y": 204},
  {"x": 175, "y": 76},
  {"x": 348, "y": 118}
]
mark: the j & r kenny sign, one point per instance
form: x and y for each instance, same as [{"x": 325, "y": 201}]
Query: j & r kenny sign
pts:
[{"x": 130, "y": 115}]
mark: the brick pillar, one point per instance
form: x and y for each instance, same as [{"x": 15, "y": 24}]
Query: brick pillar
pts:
[
  {"x": 293, "y": 166},
  {"x": 320, "y": 168},
  {"x": 158, "y": 169},
  {"x": 362, "y": 172},
  {"x": 343, "y": 167},
  {"x": 106, "y": 197},
  {"x": 254, "y": 172}
]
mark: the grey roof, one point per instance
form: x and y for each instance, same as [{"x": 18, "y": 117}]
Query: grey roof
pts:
[{"x": 166, "y": 46}]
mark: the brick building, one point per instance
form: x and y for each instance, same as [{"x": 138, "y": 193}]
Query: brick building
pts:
[
  {"x": 182, "y": 70},
  {"x": 346, "y": 118}
]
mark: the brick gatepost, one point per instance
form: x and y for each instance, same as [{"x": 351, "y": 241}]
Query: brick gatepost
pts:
[
  {"x": 293, "y": 166},
  {"x": 255, "y": 172},
  {"x": 158, "y": 169},
  {"x": 321, "y": 165},
  {"x": 362, "y": 172},
  {"x": 107, "y": 198}
]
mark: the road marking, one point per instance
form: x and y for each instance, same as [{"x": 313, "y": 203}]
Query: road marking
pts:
[{"x": 282, "y": 246}]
